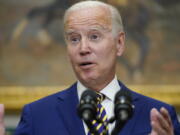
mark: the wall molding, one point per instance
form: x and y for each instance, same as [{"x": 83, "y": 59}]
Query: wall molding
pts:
[{"x": 15, "y": 97}]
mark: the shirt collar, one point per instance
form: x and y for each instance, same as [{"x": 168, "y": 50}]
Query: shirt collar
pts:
[{"x": 109, "y": 91}]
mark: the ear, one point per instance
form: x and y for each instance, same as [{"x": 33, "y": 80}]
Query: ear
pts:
[{"x": 120, "y": 43}]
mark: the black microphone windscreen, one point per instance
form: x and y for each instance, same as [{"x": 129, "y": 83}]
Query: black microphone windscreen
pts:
[
  {"x": 123, "y": 93},
  {"x": 89, "y": 93}
]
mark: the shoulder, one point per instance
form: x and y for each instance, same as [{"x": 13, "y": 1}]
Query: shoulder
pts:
[
  {"x": 145, "y": 100},
  {"x": 51, "y": 100},
  {"x": 151, "y": 102},
  {"x": 145, "y": 104}
]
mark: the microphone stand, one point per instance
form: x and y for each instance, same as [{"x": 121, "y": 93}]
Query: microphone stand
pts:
[{"x": 118, "y": 126}]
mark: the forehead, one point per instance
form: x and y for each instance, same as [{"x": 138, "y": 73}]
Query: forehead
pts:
[{"x": 88, "y": 17}]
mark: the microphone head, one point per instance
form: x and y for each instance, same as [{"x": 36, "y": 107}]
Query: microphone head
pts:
[
  {"x": 89, "y": 94},
  {"x": 123, "y": 105},
  {"x": 123, "y": 96},
  {"x": 87, "y": 107}
]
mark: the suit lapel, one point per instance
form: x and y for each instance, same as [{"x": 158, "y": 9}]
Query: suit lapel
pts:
[
  {"x": 127, "y": 129},
  {"x": 67, "y": 105}
]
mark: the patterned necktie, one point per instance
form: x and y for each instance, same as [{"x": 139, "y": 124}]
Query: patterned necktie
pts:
[{"x": 101, "y": 125}]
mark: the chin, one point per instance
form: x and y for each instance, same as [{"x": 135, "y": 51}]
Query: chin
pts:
[
  {"x": 90, "y": 76},
  {"x": 91, "y": 79}
]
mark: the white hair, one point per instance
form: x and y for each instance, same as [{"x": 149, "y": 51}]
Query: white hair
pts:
[{"x": 117, "y": 25}]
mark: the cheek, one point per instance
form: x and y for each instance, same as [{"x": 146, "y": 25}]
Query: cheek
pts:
[
  {"x": 71, "y": 56},
  {"x": 108, "y": 56},
  {"x": 108, "y": 51}
]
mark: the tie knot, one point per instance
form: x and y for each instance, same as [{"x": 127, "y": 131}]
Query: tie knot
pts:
[{"x": 100, "y": 97}]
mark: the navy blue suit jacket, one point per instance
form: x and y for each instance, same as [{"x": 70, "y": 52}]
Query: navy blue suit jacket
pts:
[{"x": 56, "y": 115}]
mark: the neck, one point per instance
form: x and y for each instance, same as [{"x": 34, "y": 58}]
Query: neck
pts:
[{"x": 98, "y": 85}]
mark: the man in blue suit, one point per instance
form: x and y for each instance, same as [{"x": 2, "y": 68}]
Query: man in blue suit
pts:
[{"x": 95, "y": 37}]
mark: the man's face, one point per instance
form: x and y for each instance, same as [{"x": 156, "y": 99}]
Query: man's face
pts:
[{"x": 92, "y": 48}]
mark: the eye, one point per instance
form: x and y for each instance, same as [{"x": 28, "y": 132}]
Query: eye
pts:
[
  {"x": 74, "y": 39},
  {"x": 94, "y": 37}
]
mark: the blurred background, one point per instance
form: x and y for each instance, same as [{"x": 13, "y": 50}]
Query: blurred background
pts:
[{"x": 33, "y": 60}]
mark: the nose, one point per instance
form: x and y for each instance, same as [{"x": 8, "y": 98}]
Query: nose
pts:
[{"x": 84, "y": 47}]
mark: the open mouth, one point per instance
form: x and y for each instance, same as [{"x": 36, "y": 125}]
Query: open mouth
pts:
[{"x": 86, "y": 63}]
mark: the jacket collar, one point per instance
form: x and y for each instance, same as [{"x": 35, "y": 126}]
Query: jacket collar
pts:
[
  {"x": 134, "y": 95},
  {"x": 138, "y": 106},
  {"x": 67, "y": 108}
]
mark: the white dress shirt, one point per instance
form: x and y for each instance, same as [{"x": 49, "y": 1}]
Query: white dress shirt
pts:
[{"x": 109, "y": 91}]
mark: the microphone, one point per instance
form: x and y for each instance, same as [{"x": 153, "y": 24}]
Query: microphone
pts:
[
  {"x": 123, "y": 105},
  {"x": 123, "y": 109},
  {"x": 87, "y": 108}
]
